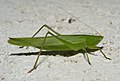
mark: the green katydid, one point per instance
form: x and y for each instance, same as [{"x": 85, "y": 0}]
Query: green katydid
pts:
[{"x": 59, "y": 42}]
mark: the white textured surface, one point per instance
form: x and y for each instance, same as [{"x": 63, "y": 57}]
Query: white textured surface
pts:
[{"x": 21, "y": 18}]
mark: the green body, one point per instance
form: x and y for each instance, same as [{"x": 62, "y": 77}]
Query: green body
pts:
[{"x": 51, "y": 43}]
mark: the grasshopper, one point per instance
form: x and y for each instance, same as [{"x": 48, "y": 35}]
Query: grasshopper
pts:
[{"x": 59, "y": 42}]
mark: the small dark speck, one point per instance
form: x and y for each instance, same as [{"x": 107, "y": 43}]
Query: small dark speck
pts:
[
  {"x": 62, "y": 19},
  {"x": 2, "y": 78},
  {"x": 110, "y": 22},
  {"x": 71, "y": 20},
  {"x": 22, "y": 12}
]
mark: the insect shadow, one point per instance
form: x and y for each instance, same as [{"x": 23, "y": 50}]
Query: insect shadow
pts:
[{"x": 54, "y": 53}]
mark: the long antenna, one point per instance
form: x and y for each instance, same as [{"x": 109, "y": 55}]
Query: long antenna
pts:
[{"x": 79, "y": 19}]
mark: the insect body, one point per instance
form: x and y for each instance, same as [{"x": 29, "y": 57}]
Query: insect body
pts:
[{"x": 58, "y": 42}]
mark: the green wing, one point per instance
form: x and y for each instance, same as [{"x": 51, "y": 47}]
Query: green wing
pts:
[{"x": 52, "y": 43}]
